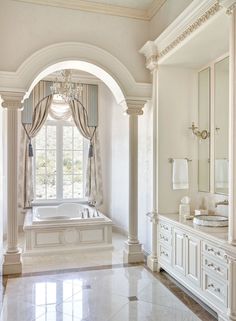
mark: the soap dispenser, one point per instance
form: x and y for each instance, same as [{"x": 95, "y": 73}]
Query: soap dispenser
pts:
[{"x": 184, "y": 207}]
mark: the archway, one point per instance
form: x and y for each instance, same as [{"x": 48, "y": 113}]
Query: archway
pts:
[{"x": 131, "y": 95}]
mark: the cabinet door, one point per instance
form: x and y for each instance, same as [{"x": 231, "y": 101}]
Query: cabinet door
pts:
[
  {"x": 193, "y": 257},
  {"x": 179, "y": 251}
]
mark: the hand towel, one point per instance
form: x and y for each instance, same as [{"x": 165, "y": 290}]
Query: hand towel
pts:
[{"x": 180, "y": 178}]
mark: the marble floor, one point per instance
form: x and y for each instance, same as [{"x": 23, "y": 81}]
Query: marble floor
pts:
[{"x": 110, "y": 294}]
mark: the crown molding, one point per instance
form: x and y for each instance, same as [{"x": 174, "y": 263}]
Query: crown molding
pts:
[
  {"x": 102, "y": 8},
  {"x": 93, "y": 7},
  {"x": 154, "y": 8}
]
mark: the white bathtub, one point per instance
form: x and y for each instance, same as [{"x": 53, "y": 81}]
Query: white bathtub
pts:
[
  {"x": 68, "y": 226},
  {"x": 64, "y": 213}
]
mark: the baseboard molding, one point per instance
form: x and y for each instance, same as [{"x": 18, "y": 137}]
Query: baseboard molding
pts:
[{"x": 119, "y": 229}]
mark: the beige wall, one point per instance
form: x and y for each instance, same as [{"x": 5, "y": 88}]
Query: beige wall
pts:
[{"x": 26, "y": 28}]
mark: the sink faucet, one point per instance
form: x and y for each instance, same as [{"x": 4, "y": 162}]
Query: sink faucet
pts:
[{"x": 224, "y": 202}]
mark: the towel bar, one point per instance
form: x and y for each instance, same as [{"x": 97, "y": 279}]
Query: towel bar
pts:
[{"x": 172, "y": 159}]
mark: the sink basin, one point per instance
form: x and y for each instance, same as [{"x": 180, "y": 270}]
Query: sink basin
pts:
[{"x": 211, "y": 220}]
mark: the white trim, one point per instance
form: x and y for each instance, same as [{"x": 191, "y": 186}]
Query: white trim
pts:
[
  {"x": 190, "y": 15},
  {"x": 72, "y": 55},
  {"x": 103, "y": 8},
  {"x": 187, "y": 24}
]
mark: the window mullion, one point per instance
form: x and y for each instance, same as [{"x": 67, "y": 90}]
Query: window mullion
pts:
[{"x": 59, "y": 155}]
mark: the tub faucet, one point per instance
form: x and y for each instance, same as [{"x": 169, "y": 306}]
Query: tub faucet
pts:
[
  {"x": 224, "y": 202},
  {"x": 88, "y": 214}
]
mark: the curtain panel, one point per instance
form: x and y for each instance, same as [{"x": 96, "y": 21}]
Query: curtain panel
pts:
[{"x": 43, "y": 108}]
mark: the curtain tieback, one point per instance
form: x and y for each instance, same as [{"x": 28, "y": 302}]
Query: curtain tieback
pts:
[
  {"x": 31, "y": 154},
  {"x": 90, "y": 154}
]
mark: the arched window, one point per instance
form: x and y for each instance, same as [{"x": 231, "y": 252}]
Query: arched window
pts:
[{"x": 60, "y": 157}]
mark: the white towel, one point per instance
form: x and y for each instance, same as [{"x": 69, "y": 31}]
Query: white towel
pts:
[
  {"x": 180, "y": 174},
  {"x": 221, "y": 173}
]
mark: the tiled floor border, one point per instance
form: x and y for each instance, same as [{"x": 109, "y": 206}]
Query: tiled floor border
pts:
[{"x": 192, "y": 302}]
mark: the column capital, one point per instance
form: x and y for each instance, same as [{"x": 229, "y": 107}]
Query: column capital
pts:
[
  {"x": 149, "y": 50},
  {"x": 133, "y": 107},
  {"x": 230, "y": 5},
  {"x": 12, "y": 100}
]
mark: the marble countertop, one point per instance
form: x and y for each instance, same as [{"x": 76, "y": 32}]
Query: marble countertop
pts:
[{"x": 216, "y": 234}]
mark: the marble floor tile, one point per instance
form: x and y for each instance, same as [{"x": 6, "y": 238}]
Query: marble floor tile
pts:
[{"x": 119, "y": 294}]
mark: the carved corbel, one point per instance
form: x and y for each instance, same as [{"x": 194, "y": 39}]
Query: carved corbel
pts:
[{"x": 149, "y": 50}]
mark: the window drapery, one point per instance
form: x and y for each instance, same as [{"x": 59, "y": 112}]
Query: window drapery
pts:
[
  {"x": 78, "y": 110},
  {"x": 93, "y": 186},
  {"x": 40, "y": 115}
]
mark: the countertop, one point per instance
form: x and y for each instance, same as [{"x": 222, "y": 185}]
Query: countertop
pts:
[{"x": 218, "y": 235}]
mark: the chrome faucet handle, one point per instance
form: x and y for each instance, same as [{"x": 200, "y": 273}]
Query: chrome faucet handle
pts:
[{"x": 224, "y": 202}]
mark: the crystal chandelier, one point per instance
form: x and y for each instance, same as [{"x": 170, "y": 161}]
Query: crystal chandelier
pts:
[{"x": 65, "y": 88}]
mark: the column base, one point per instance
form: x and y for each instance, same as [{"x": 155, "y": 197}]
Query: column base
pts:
[
  {"x": 12, "y": 263},
  {"x": 133, "y": 253},
  {"x": 152, "y": 263}
]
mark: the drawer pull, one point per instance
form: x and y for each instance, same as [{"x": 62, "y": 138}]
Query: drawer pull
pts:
[
  {"x": 210, "y": 264},
  {"x": 217, "y": 269},
  {"x": 164, "y": 238},
  {"x": 164, "y": 253},
  {"x": 164, "y": 227},
  {"x": 217, "y": 253},
  {"x": 210, "y": 250},
  {"x": 212, "y": 286}
]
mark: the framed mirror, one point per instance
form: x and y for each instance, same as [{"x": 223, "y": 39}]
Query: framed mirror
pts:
[
  {"x": 204, "y": 124},
  {"x": 221, "y": 122}
]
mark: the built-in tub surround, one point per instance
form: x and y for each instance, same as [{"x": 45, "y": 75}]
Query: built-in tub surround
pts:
[{"x": 66, "y": 227}]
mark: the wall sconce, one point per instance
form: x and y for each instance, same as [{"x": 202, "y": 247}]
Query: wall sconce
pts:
[{"x": 204, "y": 134}]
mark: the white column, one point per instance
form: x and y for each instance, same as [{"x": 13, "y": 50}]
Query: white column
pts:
[
  {"x": 150, "y": 52},
  {"x": 133, "y": 249},
  {"x": 232, "y": 127},
  {"x": 12, "y": 257}
]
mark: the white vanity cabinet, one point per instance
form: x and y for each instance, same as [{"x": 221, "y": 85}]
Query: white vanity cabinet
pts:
[
  {"x": 186, "y": 255},
  {"x": 197, "y": 263}
]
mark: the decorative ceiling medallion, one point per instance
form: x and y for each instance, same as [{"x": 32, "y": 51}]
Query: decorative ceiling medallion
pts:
[{"x": 193, "y": 27}]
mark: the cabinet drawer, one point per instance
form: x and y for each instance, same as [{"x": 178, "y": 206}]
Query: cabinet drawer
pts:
[
  {"x": 165, "y": 238},
  {"x": 215, "y": 252},
  {"x": 164, "y": 254},
  {"x": 212, "y": 266},
  {"x": 165, "y": 228},
  {"x": 215, "y": 290}
]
